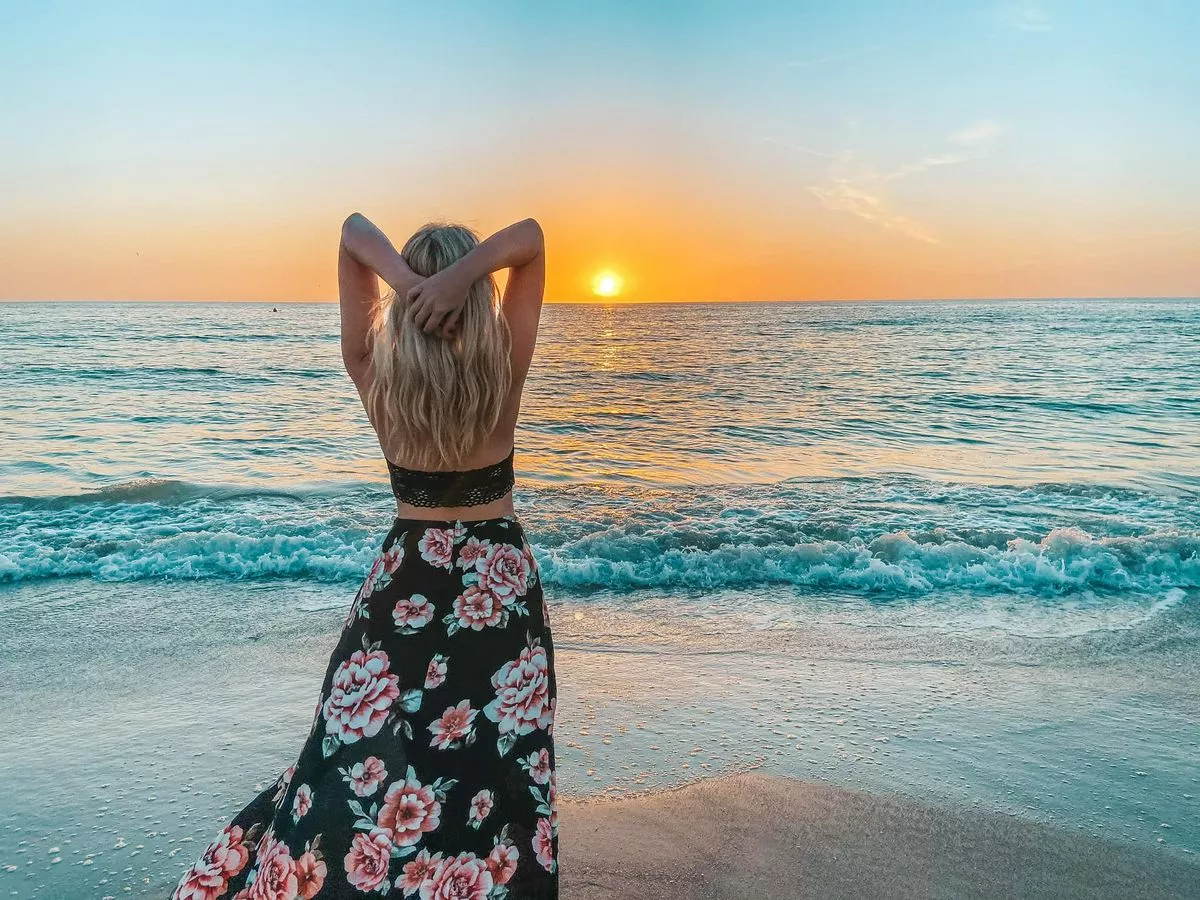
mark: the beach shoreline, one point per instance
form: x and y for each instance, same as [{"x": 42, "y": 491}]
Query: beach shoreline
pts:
[
  {"x": 758, "y": 835},
  {"x": 1071, "y": 753}
]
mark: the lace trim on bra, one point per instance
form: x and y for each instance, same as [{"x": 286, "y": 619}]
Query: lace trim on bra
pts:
[{"x": 462, "y": 487}]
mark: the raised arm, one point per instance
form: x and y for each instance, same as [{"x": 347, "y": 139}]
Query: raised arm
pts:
[
  {"x": 522, "y": 302},
  {"x": 365, "y": 253},
  {"x": 520, "y": 247}
]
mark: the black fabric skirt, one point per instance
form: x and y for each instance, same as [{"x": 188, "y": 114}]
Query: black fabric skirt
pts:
[{"x": 429, "y": 769}]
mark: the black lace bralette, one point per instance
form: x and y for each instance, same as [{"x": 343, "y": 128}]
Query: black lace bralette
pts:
[{"x": 465, "y": 487}]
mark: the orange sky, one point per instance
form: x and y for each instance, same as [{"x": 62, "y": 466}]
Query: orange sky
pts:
[
  {"x": 709, "y": 156},
  {"x": 666, "y": 247}
]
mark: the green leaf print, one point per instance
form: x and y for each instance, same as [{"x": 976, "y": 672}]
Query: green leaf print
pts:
[{"x": 410, "y": 700}]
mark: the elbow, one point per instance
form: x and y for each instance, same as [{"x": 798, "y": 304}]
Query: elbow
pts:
[
  {"x": 354, "y": 222},
  {"x": 534, "y": 227}
]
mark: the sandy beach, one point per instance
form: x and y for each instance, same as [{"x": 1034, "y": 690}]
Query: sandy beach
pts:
[
  {"x": 767, "y": 836},
  {"x": 842, "y": 762}
]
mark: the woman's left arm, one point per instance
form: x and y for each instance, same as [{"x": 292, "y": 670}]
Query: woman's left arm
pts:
[{"x": 365, "y": 253}]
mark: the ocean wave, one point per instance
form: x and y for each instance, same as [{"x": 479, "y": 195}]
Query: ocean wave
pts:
[
  {"x": 326, "y": 557},
  {"x": 162, "y": 491},
  {"x": 175, "y": 530},
  {"x": 1066, "y": 560}
]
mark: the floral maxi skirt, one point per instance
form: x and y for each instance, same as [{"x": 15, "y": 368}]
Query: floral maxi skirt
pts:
[{"x": 429, "y": 769}]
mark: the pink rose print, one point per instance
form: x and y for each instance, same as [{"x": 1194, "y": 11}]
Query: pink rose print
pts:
[
  {"x": 470, "y": 552},
  {"x": 368, "y": 859},
  {"x": 436, "y": 673},
  {"x": 366, "y": 776},
  {"x": 417, "y": 870},
  {"x": 382, "y": 570},
  {"x": 310, "y": 875},
  {"x": 454, "y": 726},
  {"x": 209, "y": 876},
  {"x": 392, "y": 842},
  {"x": 522, "y": 701},
  {"x": 412, "y": 613},
  {"x": 303, "y": 802},
  {"x": 481, "y": 805},
  {"x": 275, "y": 878},
  {"x": 502, "y": 862},
  {"x": 476, "y": 608},
  {"x": 462, "y": 877},
  {"x": 545, "y": 806},
  {"x": 362, "y": 695},
  {"x": 502, "y": 571},
  {"x": 543, "y": 844},
  {"x": 529, "y": 562},
  {"x": 409, "y": 810},
  {"x": 437, "y": 547},
  {"x": 537, "y": 764}
]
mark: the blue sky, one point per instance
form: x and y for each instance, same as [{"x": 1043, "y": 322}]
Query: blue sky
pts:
[{"x": 710, "y": 151}]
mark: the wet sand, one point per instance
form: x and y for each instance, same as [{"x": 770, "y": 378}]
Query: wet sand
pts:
[
  {"x": 1092, "y": 736},
  {"x": 768, "y": 836}
]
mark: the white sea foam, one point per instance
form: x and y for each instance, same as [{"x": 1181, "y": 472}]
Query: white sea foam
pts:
[{"x": 877, "y": 540}]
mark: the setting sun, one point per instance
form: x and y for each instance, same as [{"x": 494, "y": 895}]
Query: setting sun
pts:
[{"x": 606, "y": 284}]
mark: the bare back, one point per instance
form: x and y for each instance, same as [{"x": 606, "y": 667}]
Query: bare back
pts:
[{"x": 521, "y": 306}]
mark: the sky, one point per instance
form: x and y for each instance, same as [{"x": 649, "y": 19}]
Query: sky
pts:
[{"x": 698, "y": 151}]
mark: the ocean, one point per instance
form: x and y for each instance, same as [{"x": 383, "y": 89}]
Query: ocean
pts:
[{"x": 949, "y": 549}]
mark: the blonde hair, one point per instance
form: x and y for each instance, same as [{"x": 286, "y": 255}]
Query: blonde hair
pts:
[{"x": 433, "y": 401}]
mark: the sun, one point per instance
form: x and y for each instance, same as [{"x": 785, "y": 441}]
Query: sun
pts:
[{"x": 606, "y": 284}]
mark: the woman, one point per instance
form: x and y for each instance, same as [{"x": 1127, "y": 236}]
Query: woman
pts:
[{"x": 429, "y": 769}]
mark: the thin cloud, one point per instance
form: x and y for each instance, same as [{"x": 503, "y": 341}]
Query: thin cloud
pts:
[
  {"x": 1027, "y": 17},
  {"x": 852, "y": 194},
  {"x": 974, "y": 139},
  {"x": 928, "y": 162},
  {"x": 809, "y": 150},
  {"x": 856, "y": 188},
  {"x": 979, "y": 133}
]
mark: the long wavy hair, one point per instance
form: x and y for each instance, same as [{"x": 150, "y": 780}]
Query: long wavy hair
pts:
[{"x": 435, "y": 400}]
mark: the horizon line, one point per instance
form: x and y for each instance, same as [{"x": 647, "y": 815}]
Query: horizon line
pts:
[{"x": 617, "y": 302}]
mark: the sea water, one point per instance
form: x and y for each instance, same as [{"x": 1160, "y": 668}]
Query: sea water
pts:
[{"x": 945, "y": 548}]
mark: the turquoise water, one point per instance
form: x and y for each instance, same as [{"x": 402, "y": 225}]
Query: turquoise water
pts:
[
  {"x": 1038, "y": 449},
  {"x": 949, "y": 549}
]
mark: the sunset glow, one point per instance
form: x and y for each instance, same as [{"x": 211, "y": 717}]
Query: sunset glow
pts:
[
  {"x": 606, "y": 284},
  {"x": 806, "y": 152}
]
